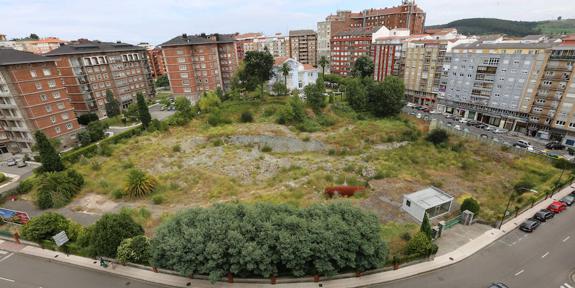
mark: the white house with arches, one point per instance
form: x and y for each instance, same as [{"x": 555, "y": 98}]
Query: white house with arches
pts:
[{"x": 300, "y": 75}]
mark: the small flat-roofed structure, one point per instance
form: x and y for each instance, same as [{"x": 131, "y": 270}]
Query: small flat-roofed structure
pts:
[{"x": 431, "y": 200}]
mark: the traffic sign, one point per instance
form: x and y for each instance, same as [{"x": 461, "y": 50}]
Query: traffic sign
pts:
[{"x": 61, "y": 238}]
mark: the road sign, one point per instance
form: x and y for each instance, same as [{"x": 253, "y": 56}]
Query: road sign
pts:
[{"x": 61, "y": 238}]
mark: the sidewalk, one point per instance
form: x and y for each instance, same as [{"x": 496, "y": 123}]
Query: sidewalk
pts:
[{"x": 171, "y": 280}]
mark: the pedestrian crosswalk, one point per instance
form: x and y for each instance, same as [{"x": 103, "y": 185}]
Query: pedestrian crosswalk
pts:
[{"x": 566, "y": 285}]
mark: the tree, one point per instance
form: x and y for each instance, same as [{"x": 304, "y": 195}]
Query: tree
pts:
[
  {"x": 131, "y": 113},
  {"x": 471, "y": 205},
  {"x": 285, "y": 69},
  {"x": 50, "y": 159},
  {"x": 209, "y": 102},
  {"x": 139, "y": 184},
  {"x": 293, "y": 112},
  {"x": 386, "y": 99},
  {"x": 426, "y": 227},
  {"x": 314, "y": 97},
  {"x": 363, "y": 67},
  {"x": 112, "y": 105},
  {"x": 323, "y": 62},
  {"x": 420, "y": 244},
  {"x": 356, "y": 95},
  {"x": 258, "y": 67},
  {"x": 438, "y": 137},
  {"x": 184, "y": 109},
  {"x": 109, "y": 232},
  {"x": 56, "y": 189},
  {"x": 85, "y": 119},
  {"x": 279, "y": 88},
  {"x": 44, "y": 226},
  {"x": 143, "y": 112},
  {"x": 34, "y": 36},
  {"x": 162, "y": 81},
  {"x": 135, "y": 250}
]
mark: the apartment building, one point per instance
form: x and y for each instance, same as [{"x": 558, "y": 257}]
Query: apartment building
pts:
[
  {"x": 247, "y": 42},
  {"x": 495, "y": 82},
  {"x": 277, "y": 45},
  {"x": 40, "y": 47},
  {"x": 32, "y": 98},
  {"x": 389, "y": 54},
  {"x": 90, "y": 68},
  {"x": 552, "y": 115},
  {"x": 199, "y": 63},
  {"x": 156, "y": 60},
  {"x": 348, "y": 45},
  {"x": 303, "y": 46}
]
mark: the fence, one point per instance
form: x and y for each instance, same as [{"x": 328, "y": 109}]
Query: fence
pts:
[{"x": 451, "y": 222}]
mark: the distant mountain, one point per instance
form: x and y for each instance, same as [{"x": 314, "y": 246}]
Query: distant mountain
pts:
[{"x": 482, "y": 26}]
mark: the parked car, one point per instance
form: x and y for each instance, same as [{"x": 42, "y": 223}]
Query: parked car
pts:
[
  {"x": 490, "y": 128},
  {"x": 21, "y": 164},
  {"x": 409, "y": 104},
  {"x": 500, "y": 131},
  {"x": 498, "y": 285},
  {"x": 522, "y": 144},
  {"x": 529, "y": 225},
  {"x": 544, "y": 215},
  {"x": 434, "y": 112},
  {"x": 463, "y": 120},
  {"x": 457, "y": 127},
  {"x": 557, "y": 207},
  {"x": 555, "y": 145},
  {"x": 568, "y": 200},
  {"x": 11, "y": 162},
  {"x": 419, "y": 116},
  {"x": 481, "y": 126},
  {"x": 485, "y": 136}
]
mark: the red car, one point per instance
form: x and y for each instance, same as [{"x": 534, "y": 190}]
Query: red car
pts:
[{"x": 557, "y": 207}]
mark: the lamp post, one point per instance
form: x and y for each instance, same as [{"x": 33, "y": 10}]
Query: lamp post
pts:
[{"x": 509, "y": 203}]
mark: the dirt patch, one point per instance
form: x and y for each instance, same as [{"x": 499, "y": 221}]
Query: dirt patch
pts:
[
  {"x": 280, "y": 144},
  {"x": 93, "y": 203}
]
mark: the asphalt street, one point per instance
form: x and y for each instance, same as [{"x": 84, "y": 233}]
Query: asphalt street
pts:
[
  {"x": 542, "y": 259},
  {"x": 21, "y": 271}
]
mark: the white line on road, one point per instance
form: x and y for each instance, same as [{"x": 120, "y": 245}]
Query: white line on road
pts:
[
  {"x": 3, "y": 252},
  {"x": 519, "y": 273},
  {"x": 6, "y": 257},
  {"x": 545, "y": 255},
  {"x": 567, "y": 285},
  {"x": 6, "y": 279},
  {"x": 566, "y": 238}
]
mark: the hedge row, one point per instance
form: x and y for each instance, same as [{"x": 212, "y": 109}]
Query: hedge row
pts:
[{"x": 92, "y": 149}]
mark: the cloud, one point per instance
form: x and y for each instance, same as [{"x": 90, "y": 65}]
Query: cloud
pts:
[{"x": 158, "y": 21}]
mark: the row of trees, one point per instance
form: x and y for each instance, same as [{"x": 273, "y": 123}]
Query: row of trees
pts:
[{"x": 268, "y": 240}]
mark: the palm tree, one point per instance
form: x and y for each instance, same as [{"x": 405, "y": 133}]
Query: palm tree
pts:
[
  {"x": 323, "y": 62},
  {"x": 139, "y": 184},
  {"x": 285, "y": 69}
]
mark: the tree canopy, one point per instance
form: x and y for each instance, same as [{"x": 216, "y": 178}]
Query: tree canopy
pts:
[
  {"x": 363, "y": 67},
  {"x": 258, "y": 67},
  {"x": 50, "y": 159},
  {"x": 386, "y": 99},
  {"x": 109, "y": 232},
  {"x": 266, "y": 239},
  {"x": 162, "y": 81},
  {"x": 143, "y": 112},
  {"x": 112, "y": 105}
]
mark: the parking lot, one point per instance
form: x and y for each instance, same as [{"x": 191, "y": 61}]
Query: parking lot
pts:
[{"x": 500, "y": 136}]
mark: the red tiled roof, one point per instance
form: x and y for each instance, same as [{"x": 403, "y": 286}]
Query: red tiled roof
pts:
[
  {"x": 308, "y": 67},
  {"x": 280, "y": 60}
]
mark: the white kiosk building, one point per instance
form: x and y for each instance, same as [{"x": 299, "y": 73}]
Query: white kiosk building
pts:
[{"x": 432, "y": 201}]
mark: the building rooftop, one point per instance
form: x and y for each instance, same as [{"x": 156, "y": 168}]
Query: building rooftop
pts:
[
  {"x": 386, "y": 11},
  {"x": 9, "y": 56},
  {"x": 186, "y": 39},
  {"x": 246, "y": 36},
  {"x": 87, "y": 47},
  {"x": 358, "y": 31},
  {"x": 533, "y": 37},
  {"x": 301, "y": 33},
  {"x": 506, "y": 45},
  {"x": 280, "y": 60},
  {"x": 429, "y": 197}
]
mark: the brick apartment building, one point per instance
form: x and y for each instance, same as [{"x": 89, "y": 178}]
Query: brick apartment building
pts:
[
  {"x": 247, "y": 42},
  {"x": 347, "y": 46},
  {"x": 408, "y": 16},
  {"x": 90, "y": 68},
  {"x": 157, "y": 64},
  {"x": 199, "y": 63},
  {"x": 32, "y": 98},
  {"x": 303, "y": 46}
]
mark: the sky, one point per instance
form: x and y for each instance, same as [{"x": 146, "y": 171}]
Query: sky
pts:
[{"x": 153, "y": 21}]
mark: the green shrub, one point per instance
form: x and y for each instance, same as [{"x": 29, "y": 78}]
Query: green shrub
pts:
[
  {"x": 438, "y": 137},
  {"x": 471, "y": 205},
  {"x": 85, "y": 119},
  {"x": 44, "y": 226},
  {"x": 308, "y": 125},
  {"x": 95, "y": 165},
  {"x": 139, "y": 184},
  {"x": 267, "y": 149},
  {"x": 135, "y": 250},
  {"x": 421, "y": 245},
  {"x": 177, "y": 148},
  {"x": 117, "y": 194},
  {"x": 56, "y": 189},
  {"x": 3, "y": 177},
  {"x": 158, "y": 199},
  {"x": 25, "y": 186},
  {"x": 109, "y": 232},
  {"x": 216, "y": 118},
  {"x": 247, "y": 117},
  {"x": 105, "y": 149}
]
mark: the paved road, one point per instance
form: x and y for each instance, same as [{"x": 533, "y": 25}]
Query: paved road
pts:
[
  {"x": 543, "y": 259},
  {"x": 21, "y": 271}
]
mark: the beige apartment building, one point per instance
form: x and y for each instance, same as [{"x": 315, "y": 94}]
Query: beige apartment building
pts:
[{"x": 303, "y": 46}]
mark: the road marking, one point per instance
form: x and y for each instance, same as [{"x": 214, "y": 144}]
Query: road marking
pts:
[
  {"x": 6, "y": 257},
  {"x": 519, "y": 273},
  {"x": 6, "y": 279},
  {"x": 3, "y": 252},
  {"x": 566, "y": 238},
  {"x": 545, "y": 255},
  {"x": 566, "y": 285}
]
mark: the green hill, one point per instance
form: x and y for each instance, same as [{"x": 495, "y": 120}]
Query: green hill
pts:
[{"x": 482, "y": 26}]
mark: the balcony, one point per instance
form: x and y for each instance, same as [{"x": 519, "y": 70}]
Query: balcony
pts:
[
  {"x": 15, "y": 129},
  {"x": 7, "y": 106}
]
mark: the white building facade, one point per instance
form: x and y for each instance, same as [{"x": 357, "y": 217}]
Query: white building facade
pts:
[{"x": 300, "y": 75}]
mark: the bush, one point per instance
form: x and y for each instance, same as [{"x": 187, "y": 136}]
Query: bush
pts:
[
  {"x": 421, "y": 245},
  {"x": 3, "y": 177},
  {"x": 135, "y": 250},
  {"x": 118, "y": 194},
  {"x": 109, "y": 232},
  {"x": 87, "y": 118},
  {"x": 471, "y": 205},
  {"x": 438, "y": 137},
  {"x": 44, "y": 226},
  {"x": 139, "y": 184},
  {"x": 266, "y": 149},
  {"x": 279, "y": 240},
  {"x": 56, "y": 189},
  {"x": 216, "y": 119},
  {"x": 523, "y": 186},
  {"x": 25, "y": 186},
  {"x": 247, "y": 117},
  {"x": 158, "y": 199},
  {"x": 177, "y": 148},
  {"x": 308, "y": 125}
]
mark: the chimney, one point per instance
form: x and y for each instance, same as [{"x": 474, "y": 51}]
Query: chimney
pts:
[{"x": 184, "y": 35}]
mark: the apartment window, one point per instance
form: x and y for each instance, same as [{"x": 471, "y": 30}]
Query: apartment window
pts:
[
  {"x": 33, "y": 73},
  {"x": 180, "y": 52},
  {"x": 48, "y": 108},
  {"x": 46, "y": 72},
  {"x": 58, "y": 130},
  {"x": 53, "y": 119},
  {"x": 184, "y": 75},
  {"x": 69, "y": 126},
  {"x": 52, "y": 83},
  {"x": 183, "y": 67},
  {"x": 65, "y": 116},
  {"x": 61, "y": 106},
  {"x": 187, "y": 90},
  {"x": 38, "y": 86},
  {"x": 560, "y": 123},
  {"x": 181, "y": 60},
  {"x": 572, "y": 125},
  {"x": 43, "y": 97}
]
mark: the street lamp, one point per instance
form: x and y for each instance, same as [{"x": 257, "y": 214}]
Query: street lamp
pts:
[{"x": 509, "y": 202}]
